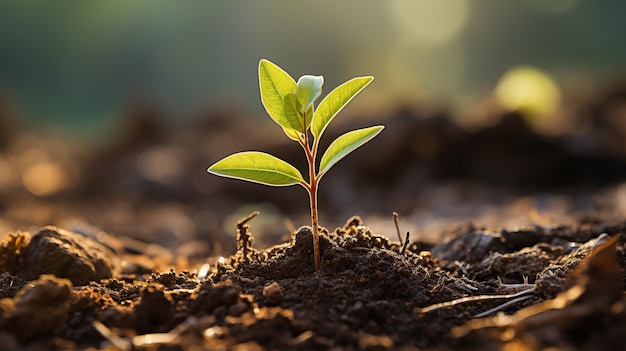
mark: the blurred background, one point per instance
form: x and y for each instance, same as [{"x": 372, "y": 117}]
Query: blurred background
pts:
[{"x": 497, "y": 113}]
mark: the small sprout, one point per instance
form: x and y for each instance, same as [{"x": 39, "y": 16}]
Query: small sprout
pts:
[{"x": 291, "y": 104}]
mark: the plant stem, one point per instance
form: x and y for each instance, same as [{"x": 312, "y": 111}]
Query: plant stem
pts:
[
  {"x": 314, "y": 224},
  {"x": 311, "y": 188}
]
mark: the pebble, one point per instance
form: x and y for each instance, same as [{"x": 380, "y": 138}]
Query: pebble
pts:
[{"x": 273, "y": 294}]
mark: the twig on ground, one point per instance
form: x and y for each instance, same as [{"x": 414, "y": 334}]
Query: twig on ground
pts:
[
  {"x": 116, "y": 341},
  {"x": 406, "y": 243},
  {"x": 502, "y": 306},
  {"x": 395, "y": 220},
  {"x": 437, "y": 306}
]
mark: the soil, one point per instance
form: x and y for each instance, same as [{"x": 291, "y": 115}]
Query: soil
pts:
[
  {"x": 532, "y": 289},
  {"x": 519, "y": 242}
]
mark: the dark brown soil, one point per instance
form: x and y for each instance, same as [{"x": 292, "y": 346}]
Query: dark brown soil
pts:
[
  {"x": 63, "y": 290},
  {"x": 133, "y": 261}
]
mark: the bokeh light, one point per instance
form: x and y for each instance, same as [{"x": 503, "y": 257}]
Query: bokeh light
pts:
[
  {"x": 528, "y": 90},
  {"x": 6, "y": 174},
  {"x": 434, "y": 21},
  {"x": 44, "y": 178},
  {"x": 427, "y": 72},
  {"x": 160, "y": 165}
]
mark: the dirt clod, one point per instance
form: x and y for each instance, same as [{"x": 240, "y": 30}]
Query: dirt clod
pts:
[
  {"x": 66, "y": 254},
  {"x": 38, "y": 309}
]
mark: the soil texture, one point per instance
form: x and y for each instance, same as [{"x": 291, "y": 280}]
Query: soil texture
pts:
[{"x": 527, "y": 289}]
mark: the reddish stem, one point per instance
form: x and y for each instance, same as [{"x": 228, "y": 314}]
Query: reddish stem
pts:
[
  {"x": 311, "y": 187},
  {"x": 314, "y": 223}
]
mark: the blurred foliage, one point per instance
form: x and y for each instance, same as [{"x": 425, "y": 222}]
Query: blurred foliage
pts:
[{"x": 78, "y": 63}]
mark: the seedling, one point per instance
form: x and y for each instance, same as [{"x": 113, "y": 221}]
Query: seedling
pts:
[{"x": 291, "y": 104}]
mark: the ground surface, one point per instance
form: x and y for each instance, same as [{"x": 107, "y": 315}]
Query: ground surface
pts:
[
  {"x": 565, "y": 285},
  {"x": 517, "y": 236}
]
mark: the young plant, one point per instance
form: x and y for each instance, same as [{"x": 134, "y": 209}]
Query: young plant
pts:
[{"x": 291, "y": 104}]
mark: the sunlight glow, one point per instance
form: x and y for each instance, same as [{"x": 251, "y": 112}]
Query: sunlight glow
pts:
[
  {"x": 44, "y": 178},
  {"x": 435, "y": 21},
  {"x": 441, "y": 68},
  {"x": 529, "y": 90}
]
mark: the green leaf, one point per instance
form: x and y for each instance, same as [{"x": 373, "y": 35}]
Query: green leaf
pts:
[
  {"x": 309, "y": 117},
  {"x": 292, "y": 134},
  {"x": 274, "y": 84},
  {"x": 292, "y": 113},
  {"x": 309, "y": 88},
  {"x": 335, "y": 102},
  {"x": 345, "y": 144},
  {"x": 257, "y": 167}
]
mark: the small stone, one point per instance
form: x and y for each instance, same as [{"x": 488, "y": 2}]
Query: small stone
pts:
[{"x": 273, "y": 294}]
